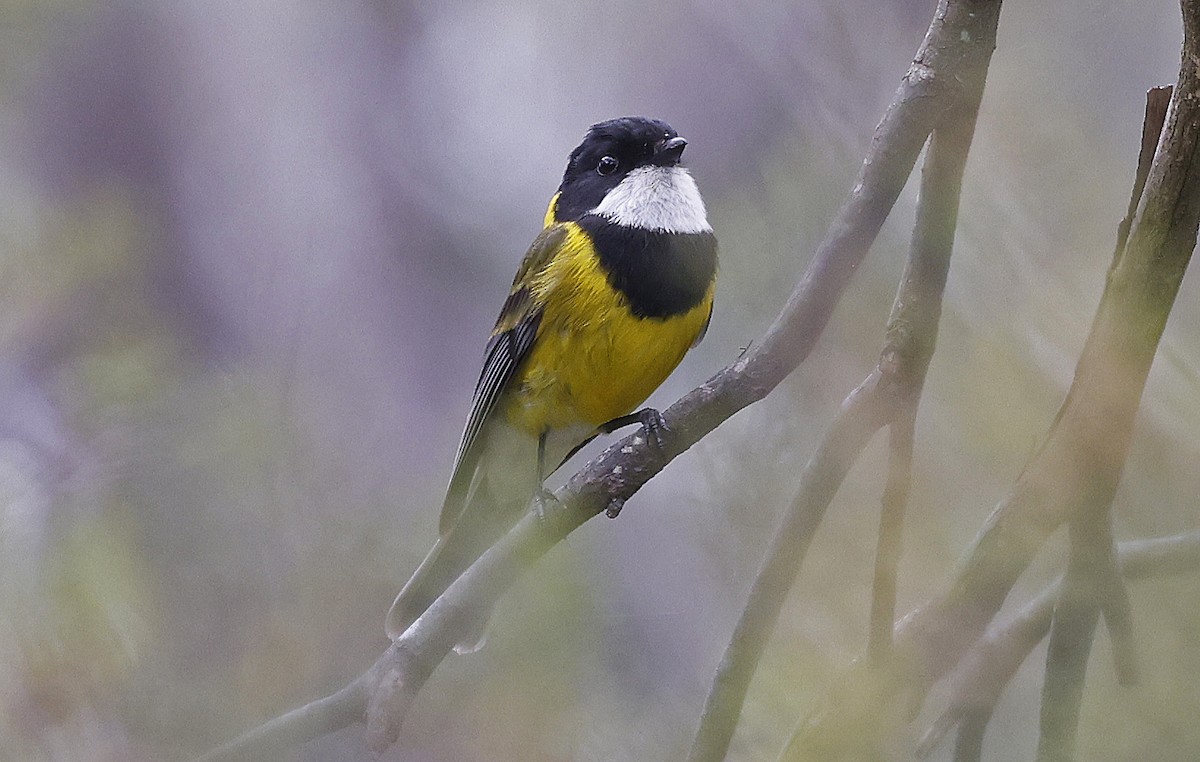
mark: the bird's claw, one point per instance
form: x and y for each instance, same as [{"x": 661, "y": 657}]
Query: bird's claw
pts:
[
  {"x": 654, "y": 424},
  {"x": 614, "y": 507},
  {"x": 543, "y": 500}
]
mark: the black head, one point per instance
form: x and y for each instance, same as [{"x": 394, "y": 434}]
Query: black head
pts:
[{"x": 609, "y": 152}]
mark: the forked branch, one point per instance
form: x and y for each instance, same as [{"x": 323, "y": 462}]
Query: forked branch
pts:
[
  {"x": 382, "y": 695},
  {"x": 1080, "y": 461},
  {"x": 888, "y": 396},
  {"x": 989, "y": 666}
]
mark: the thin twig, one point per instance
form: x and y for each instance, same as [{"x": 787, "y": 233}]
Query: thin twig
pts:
[
  {"x": 625, "y": 466},
  {"x": 983, "y": 672},
  {"x": 1083, "y": 453},
  {"x": 1092, "y": 584},
  {"x": 912, "y": 333},
  {"x": 1089, "y": 581},
  {"x": 889, "y": 394},
  {"x": 1113, "y": 598},
  {"x": 1157, "y": 100},
  {"x": 901, "y": 434},
  {"x": 990, "y": 664},
  {"x": 1075, "y": 615},
  {"x": 968, "y": 745},
  {"x": 862, "y": 414},
  {"x": 1117, "y": 611},
  {"x": 272, "y": 740}
]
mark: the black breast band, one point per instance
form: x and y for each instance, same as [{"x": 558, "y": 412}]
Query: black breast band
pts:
[{"x": 660, "y": 273}]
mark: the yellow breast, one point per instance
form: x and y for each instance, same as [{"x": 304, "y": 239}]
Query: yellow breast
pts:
[{"x": 593, "y": 360}]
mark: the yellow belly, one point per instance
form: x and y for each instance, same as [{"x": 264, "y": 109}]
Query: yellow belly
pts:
[{"x": 593, "y": 360}]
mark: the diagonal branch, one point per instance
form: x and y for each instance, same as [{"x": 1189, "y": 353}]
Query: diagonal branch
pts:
[
  {"x": 1092, "y": 584},
  {"x": 989, "y": 666},
  {"x": 862, "y": 414},
  {"x": 1080, "y": 461},
  {"x": 391, "y": 683},
  {"x": 1075, "y": 617},
  {"x": 888, "y": 396},
  {"x": 912, "y": 333},
  {"x": 901, "y": 436}
]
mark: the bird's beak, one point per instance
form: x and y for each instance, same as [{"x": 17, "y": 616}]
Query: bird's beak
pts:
[{"x": 667, "y": 152}]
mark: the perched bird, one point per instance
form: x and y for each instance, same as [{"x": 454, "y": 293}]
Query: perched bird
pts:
[{"x": 610, "y": 296}]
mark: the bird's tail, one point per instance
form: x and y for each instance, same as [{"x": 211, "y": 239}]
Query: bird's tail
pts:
[{"x": 482, "y": 522}]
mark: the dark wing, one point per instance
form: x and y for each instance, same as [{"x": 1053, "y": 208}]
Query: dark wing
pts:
[
  {"x": 511, "y": 339},
  {"x": 703, "y": 328}
]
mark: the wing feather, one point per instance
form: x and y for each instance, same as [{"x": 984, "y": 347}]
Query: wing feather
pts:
[
  {"x": 513, "y": 336},
  {"x": 703, "y": 329}
]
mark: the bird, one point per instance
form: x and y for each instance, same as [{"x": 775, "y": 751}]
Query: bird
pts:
[{"x": 610, "y": 296}]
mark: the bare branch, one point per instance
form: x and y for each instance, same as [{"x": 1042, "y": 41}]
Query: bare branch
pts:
[
  {"x": 1118, "y": 614},
  {"x": 1080, "y": 461},
  {"x": 1157, "y": 100},
  {"x": 963, "y": 31},
  {"x": 901, "y": 434},
  {"x": 1092, "y": 584},
  {"x": 989, "y": 666},
  {"x": 624, "y": 467},
  {"x": 862, "y": 414},
  {"x": 891, "y": 392},
  {"x": 968, "y": 746},
  {"x": 1075, "y": 616},
  {"x": 273, "y": 739}
]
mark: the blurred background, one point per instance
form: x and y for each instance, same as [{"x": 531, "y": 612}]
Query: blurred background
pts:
[{"x": 249, "y": 257}]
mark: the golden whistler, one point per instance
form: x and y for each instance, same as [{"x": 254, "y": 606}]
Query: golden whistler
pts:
[{"x": 609, "y": 297}]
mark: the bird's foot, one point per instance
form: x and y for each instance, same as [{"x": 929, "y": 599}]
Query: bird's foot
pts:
[
  {"x": 650, "y": 419},
  {"x": 654, "y": 424},
  {"x": 614, "y": 507},
  {"x": 543, "y": 501}
]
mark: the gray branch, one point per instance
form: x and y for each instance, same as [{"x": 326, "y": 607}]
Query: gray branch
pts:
[
  {"x": 951, "y": 63},
  {"x": 1080, "y": 461},
  {"x": 989, "y": 666},
  {"x": 961, "y": 36},
  {"x": 383, "y": 693},
  {"x": 1093, "y": 584}
]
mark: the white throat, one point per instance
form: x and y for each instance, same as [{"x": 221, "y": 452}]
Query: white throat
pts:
[{"x": 657, "y": 198}]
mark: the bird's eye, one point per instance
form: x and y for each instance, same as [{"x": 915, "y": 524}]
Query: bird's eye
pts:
[{"x": 607, "y": 166}]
